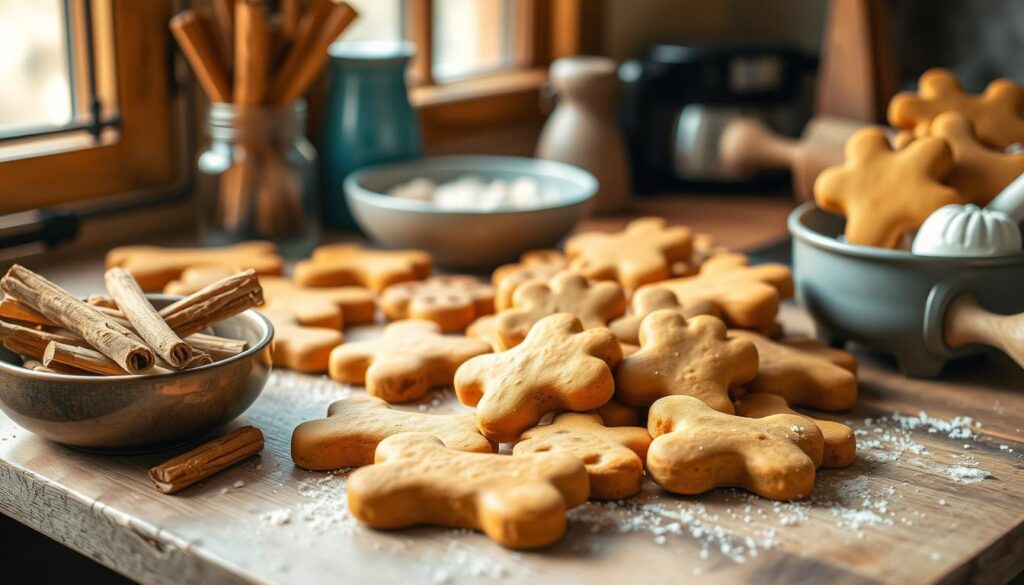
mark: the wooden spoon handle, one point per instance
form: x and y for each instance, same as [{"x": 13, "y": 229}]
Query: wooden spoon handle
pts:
[
  {"x": 748, "y": 145},
  {"x": 967, "y": 322}
]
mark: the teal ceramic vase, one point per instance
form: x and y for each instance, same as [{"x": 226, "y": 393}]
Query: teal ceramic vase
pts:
[{"x": 368, "y": 118}]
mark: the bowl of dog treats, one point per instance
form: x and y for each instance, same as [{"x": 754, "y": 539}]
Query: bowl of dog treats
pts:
[
  {"x": 127, "y": 371},
  {"x": 470, "y": 212},
  {"x": 913, "y": 244}
]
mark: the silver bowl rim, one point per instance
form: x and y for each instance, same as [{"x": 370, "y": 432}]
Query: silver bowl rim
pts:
[
  {"x": 587, "y": 183},
  {"x": 801, "y": 231},
  {"x": 268, "y": 335}
]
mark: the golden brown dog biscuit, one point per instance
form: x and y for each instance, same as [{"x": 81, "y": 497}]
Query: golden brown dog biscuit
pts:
[
  {"x": 298, "y": 347},
  {"x": 334, "y": 306},
  {"x": 558, "y": 367},
  {"x": 697, "y": 448},
  {"x": 593, "y": 303},
  {"x": 704, "y": 247},
  {"x": 801, "y": 373},
  {"x": 614, "y": 456},
  {"x": 748, "y": 296},
  {"x": 684, "y": 357},
  {"x": 196, "y": 278},
  {"x": 154, "y": 267},
  {"x": 349, "y": 264},
  {"x": 979, "y": 172},
  {"x": 840, "y": 445},
  {"x": 453, "y": 302},
  {"x": 409, "y": 359},
  {"x": 885, "y": 193},
  {"x": 641, "y": 253},
  {"x": 485, "y": 330},
  {"x": 649, "y": 300},
  {"x": 995, "y": 114},
  {"x": 533, "y": 266},
  {"x": 519, "y": 502},
  {"x": 354, "y": 426},
  {"x": 617, "y": 414}
]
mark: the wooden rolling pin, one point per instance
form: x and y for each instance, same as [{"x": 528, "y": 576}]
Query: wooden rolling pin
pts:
[{"x": 748, "y": 146}]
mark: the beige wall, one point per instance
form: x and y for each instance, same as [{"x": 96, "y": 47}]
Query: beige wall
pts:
[{"x": 632, "y": 25}]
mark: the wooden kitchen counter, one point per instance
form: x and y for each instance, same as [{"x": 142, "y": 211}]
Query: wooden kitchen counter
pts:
[{"x": 936, "y": 494}]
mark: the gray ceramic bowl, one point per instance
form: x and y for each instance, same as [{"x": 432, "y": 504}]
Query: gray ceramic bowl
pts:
[
  {"x": 468, "y": 240},
  {"x": 140, "y": 413},
  {"x": 892, "y": 300}
]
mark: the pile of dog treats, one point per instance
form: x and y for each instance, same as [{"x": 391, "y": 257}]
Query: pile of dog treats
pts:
[
  {"x": 952, "y": 148},
  {"x": 564, "y": 357}
]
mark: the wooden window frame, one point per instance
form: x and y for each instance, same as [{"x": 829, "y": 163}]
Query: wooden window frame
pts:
[
  {"x": 143, "y": 154},
  {"x": 554, "y": 29}
]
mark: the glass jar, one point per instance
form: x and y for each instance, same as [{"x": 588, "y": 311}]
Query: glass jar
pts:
[{"x": 257, "y": 178}]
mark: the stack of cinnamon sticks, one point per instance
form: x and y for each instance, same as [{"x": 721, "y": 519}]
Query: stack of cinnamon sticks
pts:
[
  {"x": 122, "y": 333},
  {"x": 245, "y": 54}
]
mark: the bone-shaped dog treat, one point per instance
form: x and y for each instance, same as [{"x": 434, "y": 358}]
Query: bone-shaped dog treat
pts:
[
  {"x": 617, "y": 414},
  {"x": 840, "y": 445},
  {"x": 645, "y": 302},
  {"x": 704, "y": 247},
  {"x": 533, "y": 266},
  {"x": 153, "y": 267},
  {"x": 803, "y": 372},
  {"x": 697, "y": 448},
  {"x": 301, "y": 348},
  {"x": 558, "y": 367},
  {"x": 196, "y": 278},
  {"x": 995, "y": 114},
  {"x": 354, "y": 426},
  {"x": 519, "y": 502},
  {"x": 885, "y": 193},
  {"x": 332, "y": 307},
  {"x": 593, "y": 304},
  {"x": 747, "y": 295},
  {"x": 350, "y": 264},
  {"x": 409, "y": 359},
  {"x": 979, "y": 173},
  {"x": 641, "y": 253},
  {"x": 453, "y": 302},
  {"x": 614, "y": 456},
  {"x": 692, "y": 357}
]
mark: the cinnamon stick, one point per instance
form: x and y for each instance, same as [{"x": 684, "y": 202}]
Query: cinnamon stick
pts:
[
  {"x": 101, "y": 332},
  {"x": 133, "y": 303},
  {"x": 15, "y": 311},
  {"x": 195, "y": 42},
  {"x": 308, "y": 55},
  {"x": 252, "y": 51},
  {"x": 291, "y": 12},
  {"x": 27, "y": 341},
  {"x": 79, "y": 357},
  {"x": 224, "y": 22},
  {"x": 225, "y": 298},
  {"x": 207, "y": 459},
  {"x": 218, "y": 347}
]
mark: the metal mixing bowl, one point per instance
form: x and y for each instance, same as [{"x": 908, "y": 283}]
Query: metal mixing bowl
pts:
[
  {"x": 140, "y": 413},
  {"x": 468, "y": 239}
]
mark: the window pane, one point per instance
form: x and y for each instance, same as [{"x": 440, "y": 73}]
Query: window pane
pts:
[
  {"x": 474, "y": 36},
  {"x": 378, "y": 20},
  {"x": 36, "y": 88}
]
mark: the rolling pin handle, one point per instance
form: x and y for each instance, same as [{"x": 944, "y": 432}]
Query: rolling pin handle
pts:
[
  {"x": 967, "y": 322},
  {"x": 748, "y": 145}
]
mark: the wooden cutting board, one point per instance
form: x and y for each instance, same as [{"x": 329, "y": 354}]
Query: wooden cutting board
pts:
[{"x": 928, "y": 500}]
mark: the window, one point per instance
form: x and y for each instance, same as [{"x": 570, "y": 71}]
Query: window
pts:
[{"x": 84, "y": 114}]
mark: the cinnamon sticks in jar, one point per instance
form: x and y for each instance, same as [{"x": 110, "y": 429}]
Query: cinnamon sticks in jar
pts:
[{"x": 261, "y": 62}]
